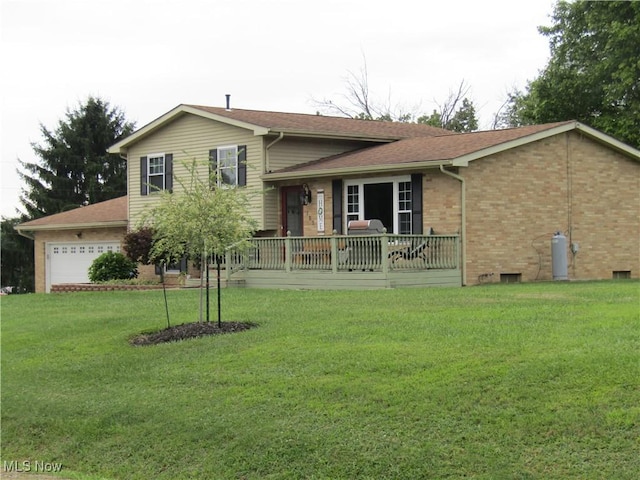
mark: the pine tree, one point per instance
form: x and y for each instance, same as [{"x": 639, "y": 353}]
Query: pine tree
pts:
[{"x": 75, "y": 168}]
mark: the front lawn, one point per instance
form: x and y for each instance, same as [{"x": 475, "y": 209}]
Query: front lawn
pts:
[{"x": 534, "y": 381}]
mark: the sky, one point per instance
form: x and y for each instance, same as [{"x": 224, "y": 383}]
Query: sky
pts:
[{"x": 148, "y": 56}]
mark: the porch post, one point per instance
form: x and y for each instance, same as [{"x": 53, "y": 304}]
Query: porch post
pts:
[
  {"x": 287, "y": 252},
  {"x": 334, "y": 252},
  {"x": 384, "y": 250}
]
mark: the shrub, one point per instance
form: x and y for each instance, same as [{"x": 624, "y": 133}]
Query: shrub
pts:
[
  {"x": 112, "y": 266},
  {"x": 137, "y": 245}
]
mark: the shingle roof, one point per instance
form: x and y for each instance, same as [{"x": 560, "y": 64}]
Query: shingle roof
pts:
[
  {"x": 320, "y": 124},
  {"x": 110, "y": 213},
  {"x": 421, "y": 149}
]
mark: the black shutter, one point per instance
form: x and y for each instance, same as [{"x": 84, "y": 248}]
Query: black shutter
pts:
[
  {"x": 183, "y": 264},
  {"x": 144, "y": 188},
  {"x": 213, "y": 167},
  {"x": 416, "y": 203},
  {"x": 168, "y": 172},
  {"x": 336, "y": 194},
  {"x": 242, "y": 165}
]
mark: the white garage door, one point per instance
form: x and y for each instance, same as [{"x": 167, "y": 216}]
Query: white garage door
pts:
[{"x": 69, "y": 262}]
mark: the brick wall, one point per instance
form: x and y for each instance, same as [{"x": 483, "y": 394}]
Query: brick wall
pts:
[
  {"x": 89, "y": 287},
  {"x": 516, "y": 200}
]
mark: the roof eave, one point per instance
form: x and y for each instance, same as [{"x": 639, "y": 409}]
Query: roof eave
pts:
[
  {"x": 70, "y": 226},
  {"x": 365, "y": 169},
  {"x": 335, "y": 136},
  {"x": 612, "y": 142},
  {"x": 463, "y": 160},
  {"x": 122, "y": 146}
]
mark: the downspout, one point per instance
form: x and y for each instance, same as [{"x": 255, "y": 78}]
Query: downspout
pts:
[
  {"x": 25, "y": 234},
  {"x": 463, "y": 215},
  {"x": 266, "y": 155}
]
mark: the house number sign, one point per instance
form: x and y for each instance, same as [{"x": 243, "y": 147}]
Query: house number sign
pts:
[{"x": 320, "y": 206}]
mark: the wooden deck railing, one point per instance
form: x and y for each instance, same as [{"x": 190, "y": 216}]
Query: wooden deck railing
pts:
[{"x": 386, "y": 252}]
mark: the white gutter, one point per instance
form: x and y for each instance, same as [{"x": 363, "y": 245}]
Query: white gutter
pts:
[
  {"x": 25, "y": 233},
  {"x": 268, "y": 147},
  {"x": 463, "y": 215}
]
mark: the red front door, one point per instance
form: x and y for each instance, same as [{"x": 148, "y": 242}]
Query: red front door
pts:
[{"x": 292, "y": 220}]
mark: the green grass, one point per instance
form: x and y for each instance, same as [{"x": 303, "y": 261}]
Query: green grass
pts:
[{"x": 537, "y": 381}]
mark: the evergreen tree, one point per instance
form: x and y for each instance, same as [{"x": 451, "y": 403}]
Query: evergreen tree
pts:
[
  {"x": 75, "y": 168},
  {"x": 16, "y": 259}
]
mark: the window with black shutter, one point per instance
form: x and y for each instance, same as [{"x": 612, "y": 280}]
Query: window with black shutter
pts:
[
  {"x": 156, "y": 173},
  {"x": 228, "y": 165}
]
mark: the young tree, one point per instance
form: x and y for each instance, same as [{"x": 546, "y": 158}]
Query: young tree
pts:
[
  {"x": 202, "y": 218},
  {"x": 593, "y": 74},
  {"x": 74, "y": 167}
]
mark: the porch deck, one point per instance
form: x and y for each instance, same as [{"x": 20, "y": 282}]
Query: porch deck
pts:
[{"x": 346, "y": 262}]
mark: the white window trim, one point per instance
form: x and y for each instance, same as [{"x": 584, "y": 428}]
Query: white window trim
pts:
[
  {"x": 150, "y": 187},
  {"x": 396, "y": 180},
  {"x": 218, "y": 169}
]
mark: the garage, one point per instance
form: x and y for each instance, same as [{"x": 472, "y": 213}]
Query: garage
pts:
[
  {"x": 69, "y": 262},
  {"x": 66, "y": 243}
]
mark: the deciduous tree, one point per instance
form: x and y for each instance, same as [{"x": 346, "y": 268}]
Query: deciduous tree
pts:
[
  {"x": 456, "y": 113},
  {"x": 200, "y": 217},
  {"x": 593, "y": 74}
]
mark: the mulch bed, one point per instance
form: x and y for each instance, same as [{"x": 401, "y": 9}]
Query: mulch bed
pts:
[{"x": 190, "y": 330}]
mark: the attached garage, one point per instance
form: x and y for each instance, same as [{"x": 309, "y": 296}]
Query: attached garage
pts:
[
  {"x": 65, "y": 244},
  {"x": 69, "y": 262}
]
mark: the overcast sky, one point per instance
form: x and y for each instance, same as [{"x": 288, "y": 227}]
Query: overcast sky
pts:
[{"x": 147, "y": 56}]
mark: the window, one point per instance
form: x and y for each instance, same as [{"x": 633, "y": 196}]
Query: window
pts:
[
  {"x": 156, "y": 173},
  {"x": 353, "y": 202},
  {"x": 388, "y": 199},
  {"x": 229, "y": 165},
  {"x": 404, "y": 208}
]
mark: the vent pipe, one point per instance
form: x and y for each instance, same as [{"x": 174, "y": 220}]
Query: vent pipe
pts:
[{"x": 228, "y": 102}]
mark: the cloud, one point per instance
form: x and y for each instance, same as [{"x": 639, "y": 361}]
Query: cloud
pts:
[{"x": 149, "y": 56}]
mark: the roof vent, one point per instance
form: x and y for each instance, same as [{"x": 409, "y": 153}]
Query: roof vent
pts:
[{"x": 228, "y": 102}]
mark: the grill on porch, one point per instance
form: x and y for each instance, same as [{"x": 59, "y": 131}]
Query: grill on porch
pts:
[{"x": 354, "y": 261}]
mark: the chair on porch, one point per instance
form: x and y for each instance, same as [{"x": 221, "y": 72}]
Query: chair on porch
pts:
[
  {"x": 415, "y": 251},
  {"x": 409, "y": 254}
]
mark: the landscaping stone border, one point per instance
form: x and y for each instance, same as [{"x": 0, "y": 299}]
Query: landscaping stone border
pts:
[{"x": 95, "y": 287}]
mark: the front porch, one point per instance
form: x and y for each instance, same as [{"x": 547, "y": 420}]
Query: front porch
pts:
[{"x": 346, "y": 262}]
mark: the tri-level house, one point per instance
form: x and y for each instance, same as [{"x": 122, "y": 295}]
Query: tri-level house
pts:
[{"x": 368, "y": 204}]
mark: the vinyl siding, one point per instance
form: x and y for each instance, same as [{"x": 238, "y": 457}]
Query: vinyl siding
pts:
[
  {"x": 294, "y": 151},
  {"x": 190, "y": 137}
]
